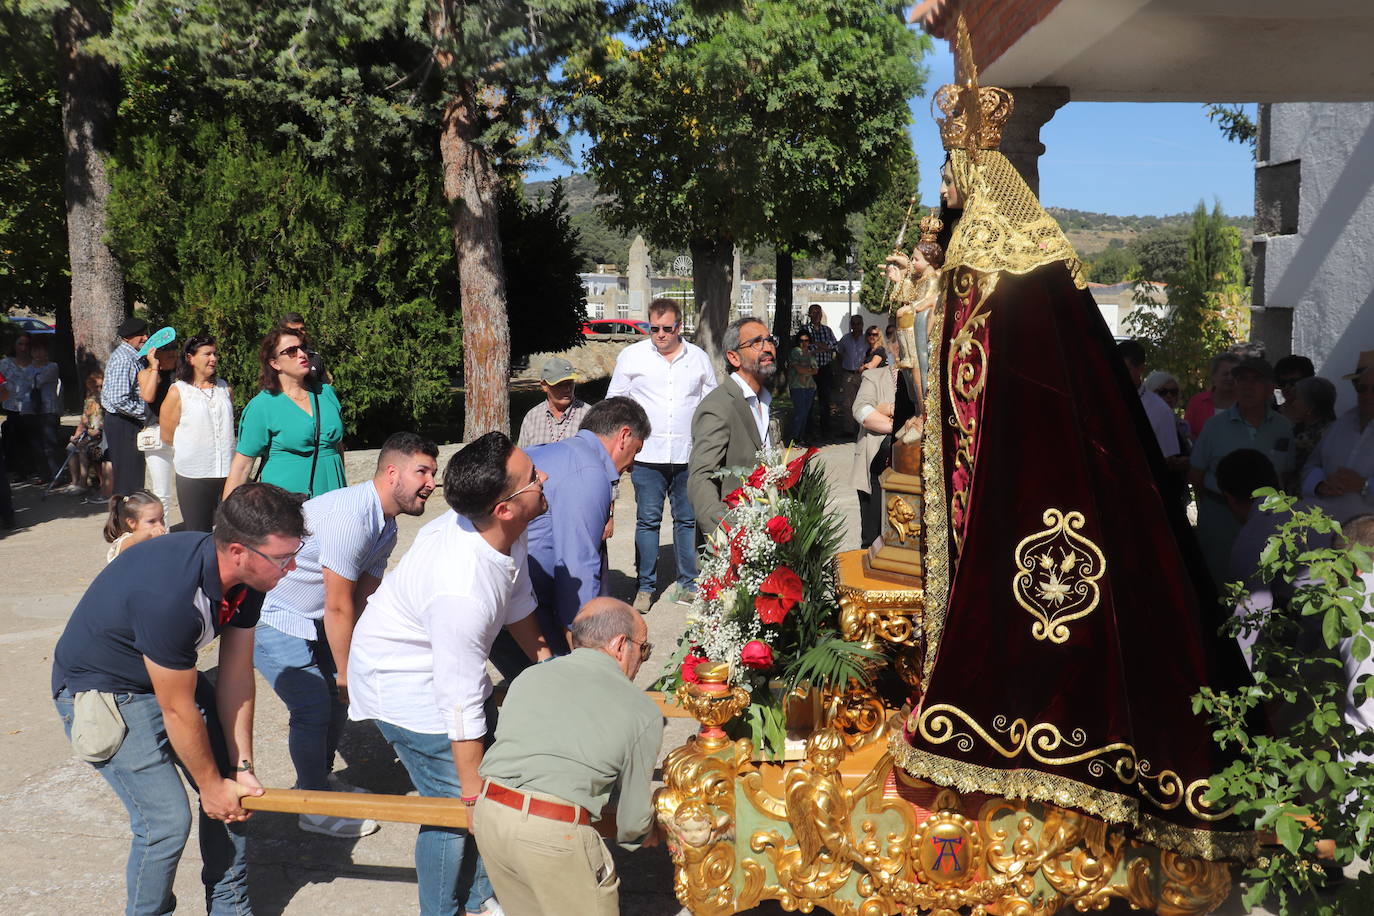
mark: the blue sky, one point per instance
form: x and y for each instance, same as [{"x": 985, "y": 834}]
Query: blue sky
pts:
[{"x": 1108, "y": 157}]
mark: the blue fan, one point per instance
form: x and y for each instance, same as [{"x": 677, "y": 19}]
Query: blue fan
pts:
[{"x": 159, "y": 340}]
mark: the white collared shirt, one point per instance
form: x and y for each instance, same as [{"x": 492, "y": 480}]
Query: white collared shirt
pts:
[
  {"x": 669, "y": 392},
  {"x": 419, "y": 655},
  {"x": 759, "y": 403},
  {"x": 1162, "y": 420}
]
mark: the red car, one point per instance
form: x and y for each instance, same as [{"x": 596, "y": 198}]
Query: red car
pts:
[{"x": 614, "y": 327}]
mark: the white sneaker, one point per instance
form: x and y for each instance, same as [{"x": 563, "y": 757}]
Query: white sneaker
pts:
[
  {"x": 345, "y": 828},
  {"x": 337, "y": 784},
  {"x": 490, "y": 908}
]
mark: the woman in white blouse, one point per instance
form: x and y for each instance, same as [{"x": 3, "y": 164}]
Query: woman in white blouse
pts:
[{"x": 198, "y": 419}]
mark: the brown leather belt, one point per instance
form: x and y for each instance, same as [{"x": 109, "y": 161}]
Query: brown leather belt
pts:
[{"x": 570, "y": 814}]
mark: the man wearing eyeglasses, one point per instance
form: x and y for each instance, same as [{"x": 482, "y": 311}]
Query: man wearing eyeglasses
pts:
[
  {"x": 573, "y": 734},
  {"x": 732, "y": 423},
  {"x": 308, "y": 619},
  {"x": 668, "y": 377},
  {"x": 127, "y": 688},
  {"x": 418, "y": 662}
]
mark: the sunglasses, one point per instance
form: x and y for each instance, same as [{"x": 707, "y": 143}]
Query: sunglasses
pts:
[
  {"x": 873, "y": 334},
  {"x": 662, "y": 328},
  {"x": 279, "y": 562},
  {"x": 646, "y": 648},
  {"x": 291, "y": 350}
]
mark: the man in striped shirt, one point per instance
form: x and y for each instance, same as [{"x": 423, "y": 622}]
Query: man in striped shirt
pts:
[
  {"x": 125, "y": 411},
  {"x": 560, "y": 416},
  {"x": 308, "y": 619}
]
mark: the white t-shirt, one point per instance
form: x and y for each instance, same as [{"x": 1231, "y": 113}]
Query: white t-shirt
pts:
[{"x": 419, "y": 654}]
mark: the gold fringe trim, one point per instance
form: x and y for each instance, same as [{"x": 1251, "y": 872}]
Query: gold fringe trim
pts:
[
  {"x": 936, "y": 557},
  {"x": 1071, "y": 793}
]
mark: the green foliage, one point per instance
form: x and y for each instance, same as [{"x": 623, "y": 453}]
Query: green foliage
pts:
[
  {"x": 1235, "y": 123},
  {"x": 34, "y": 266},
  {"x": 1313, "y": 778},
  {"x": 882, "y": 222},
  {"x": 760, "y": 123},
  {"x": 1113, "y": 265},
  {"x": 1161, "y": 253},
  {"x": 220, "y": 234},
  {"x": 540, "y": 253},
  {"x": 831, "y": 661},
  {"x": 1207, "y": 300}
]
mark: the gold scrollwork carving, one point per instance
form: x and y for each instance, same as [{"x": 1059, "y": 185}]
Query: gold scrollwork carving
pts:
[
  {"x": 904, "y": 520},
  {"x": 1057, "y": 573}
]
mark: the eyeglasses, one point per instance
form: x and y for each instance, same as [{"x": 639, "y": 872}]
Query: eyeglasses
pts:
[
  {"x": 291, "y": 350},
  {"x": 279, "y": 562},
  {"x": 758, "y": 342},
  {"x": 533, "y": 483},
  {"x": 662, "y": 328},
  {"x": 646, "y": 648}
]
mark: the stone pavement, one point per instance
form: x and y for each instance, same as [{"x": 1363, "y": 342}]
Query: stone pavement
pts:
[{"x": 64, "y": 834}]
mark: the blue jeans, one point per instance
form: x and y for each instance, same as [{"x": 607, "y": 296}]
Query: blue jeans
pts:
[
  {"x": 440, "y": 864},
  {"x": 301, "y": 671},
  {"x": 143, "y": 773},
  {"x": 801, "y": 410},
  {"x": 652, "y": 482}
]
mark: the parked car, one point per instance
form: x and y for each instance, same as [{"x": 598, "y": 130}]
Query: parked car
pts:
[
  {"x": 605, "y": 328},
  {"x": 32, "y": 325}
]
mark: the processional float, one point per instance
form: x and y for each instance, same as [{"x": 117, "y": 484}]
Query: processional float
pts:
[{"x": 912, "y": 802}]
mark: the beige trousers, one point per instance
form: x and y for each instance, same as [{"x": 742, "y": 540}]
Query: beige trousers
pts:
[{"x": 541, "y": 867}]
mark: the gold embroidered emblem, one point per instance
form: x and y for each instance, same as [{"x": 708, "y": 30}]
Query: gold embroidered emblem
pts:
[{"x": 1057, "y": 573}]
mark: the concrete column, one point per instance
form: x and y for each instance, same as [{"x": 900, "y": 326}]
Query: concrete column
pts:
[{"x": 1035, "y": 105}]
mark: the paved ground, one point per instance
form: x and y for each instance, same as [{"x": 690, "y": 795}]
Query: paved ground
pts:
[{"x": 64, "y": 835}]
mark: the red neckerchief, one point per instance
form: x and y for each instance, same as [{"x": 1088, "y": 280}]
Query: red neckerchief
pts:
[{"x": 230, "y": 605}]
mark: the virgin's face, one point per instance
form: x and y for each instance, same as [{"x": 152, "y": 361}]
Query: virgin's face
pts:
[{"x": 949, "y": 192}]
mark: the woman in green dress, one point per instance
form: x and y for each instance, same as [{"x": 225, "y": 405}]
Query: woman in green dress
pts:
[{"x": 300, "y": 453}]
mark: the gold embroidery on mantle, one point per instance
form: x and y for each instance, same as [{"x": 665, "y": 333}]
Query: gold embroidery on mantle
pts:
[
  {"x": 967, "y": 376},
  {"x": 1057, "y": 573},
  {"x": 933, "y": 483}
]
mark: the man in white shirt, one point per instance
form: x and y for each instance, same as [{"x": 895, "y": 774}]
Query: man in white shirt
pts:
[
  {"x": 1162, "y": 420},
  {"x": 668, "y": 377},
  {"x": 1340, "y": 472},
  {"x": 308, "y": 620},
  {"x": 732, "y": 422},
  {"x": 418, "y": 662}
]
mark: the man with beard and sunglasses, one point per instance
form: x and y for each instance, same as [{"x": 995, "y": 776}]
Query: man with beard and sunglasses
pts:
[
  {"x": 308, "y": 619},
  {"x": 732, "y": 422}
]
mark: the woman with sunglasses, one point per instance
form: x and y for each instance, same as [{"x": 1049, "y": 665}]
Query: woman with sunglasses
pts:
[
  {"x": 876, "y": 354},
  {"x": 294, "y": 424}
]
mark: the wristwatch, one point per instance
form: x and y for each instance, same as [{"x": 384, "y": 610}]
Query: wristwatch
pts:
[{"x": 245, "y": 766}]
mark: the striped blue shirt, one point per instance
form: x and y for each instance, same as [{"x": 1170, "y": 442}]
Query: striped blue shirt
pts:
[
  {"x": 350, "y": 536},
  {"x": 119, "y": 394}
]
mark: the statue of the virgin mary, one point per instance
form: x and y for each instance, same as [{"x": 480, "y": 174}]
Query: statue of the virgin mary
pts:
[{"x": 1068, "y": 616}]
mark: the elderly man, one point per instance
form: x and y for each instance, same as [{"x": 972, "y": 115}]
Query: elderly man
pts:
[
  {"x": 1251, "y": 422},
  {"x": 127, "y": 660},
  {"x": 567, "y": 567},
  {"x": 125, "y": 410},
  {"x": 308, "y": 619},
  {"x": 560, "y": 416},
  {"x": 668, "y": 377},
  {"x": 418, "y": 663},
  {"x": 1340, "y": 470},
  {"x": 573, "y": 734},
  {"x": 732, "y": 422},
  {"x": 823, "y": 346}
]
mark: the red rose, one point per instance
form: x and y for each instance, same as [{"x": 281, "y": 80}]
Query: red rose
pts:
[
  {"x": 779, "y": 529},
  {"x": 689, "y": 668},
  {"x": 734, "y": 497},
  {"x": 756, "y": 654},
  {"x": 756, "y": 478},
  {"x": 729, "y": 578},
  {"x": 710, "y": 589},
  {"x": 794, "y": 469},
  {"x": 737, "y": 549},
  {"x": 778, "y": 594}
]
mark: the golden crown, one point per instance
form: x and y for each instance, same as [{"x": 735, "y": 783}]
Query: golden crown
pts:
[
  {"x": 971, "y": 116},
  {"x": 930, "y": 227}
]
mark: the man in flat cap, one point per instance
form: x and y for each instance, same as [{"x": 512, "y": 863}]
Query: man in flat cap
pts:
[
  {"x": 560, "y": 416},
  {"x": 125, "y": 410}
]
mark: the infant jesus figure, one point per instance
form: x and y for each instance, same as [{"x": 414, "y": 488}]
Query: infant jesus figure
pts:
[{"x": 915, "y": 289}]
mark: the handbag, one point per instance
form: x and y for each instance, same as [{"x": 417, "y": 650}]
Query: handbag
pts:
[
  {"x": 150, "y": 438},
  {"x": 98, "y": 727}
]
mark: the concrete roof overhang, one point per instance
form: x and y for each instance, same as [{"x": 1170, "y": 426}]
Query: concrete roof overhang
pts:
[{"x": 1170, "y": 50}]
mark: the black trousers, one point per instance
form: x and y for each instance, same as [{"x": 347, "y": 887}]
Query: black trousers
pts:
[
  {"x": 121, "y": 438},
  {"x": 198, "y": 498}
]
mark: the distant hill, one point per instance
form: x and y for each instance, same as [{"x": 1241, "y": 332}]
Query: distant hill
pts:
[{"x": 1090, "y": 233}]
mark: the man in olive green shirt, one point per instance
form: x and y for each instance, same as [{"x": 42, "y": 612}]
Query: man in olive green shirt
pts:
[{"x": 573, "y": 733}]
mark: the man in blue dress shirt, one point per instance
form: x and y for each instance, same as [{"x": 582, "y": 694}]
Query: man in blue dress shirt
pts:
[{"x": 567, "y": 568}]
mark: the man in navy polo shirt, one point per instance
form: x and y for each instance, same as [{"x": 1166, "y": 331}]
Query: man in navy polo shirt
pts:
[{"x": 135, "y": 634}]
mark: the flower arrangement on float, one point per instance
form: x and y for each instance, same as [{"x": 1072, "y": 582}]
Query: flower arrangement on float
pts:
[{"x": 766, "y": 599}]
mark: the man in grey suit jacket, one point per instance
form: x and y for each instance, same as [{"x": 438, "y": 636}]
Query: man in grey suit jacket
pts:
[{"x": 731, "y": 423}]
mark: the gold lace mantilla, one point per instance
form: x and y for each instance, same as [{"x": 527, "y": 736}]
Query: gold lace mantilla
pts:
[{"x": 1003, "y": 226}]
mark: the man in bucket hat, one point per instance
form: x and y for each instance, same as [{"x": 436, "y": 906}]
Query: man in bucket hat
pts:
[
  {"x": 1342, "y": 465},
  {"x": 560, "y": 416}
]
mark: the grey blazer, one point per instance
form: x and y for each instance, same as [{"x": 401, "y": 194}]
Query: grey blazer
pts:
[{"x": 724, "y": 435}]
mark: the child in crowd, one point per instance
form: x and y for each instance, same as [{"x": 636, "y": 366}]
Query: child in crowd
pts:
[
  {"x": 133, "y": 519},
  {"x": 92, "y": 470}
]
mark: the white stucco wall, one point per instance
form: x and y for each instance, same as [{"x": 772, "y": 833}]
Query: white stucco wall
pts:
[{"x": 1325, "y": 272}]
